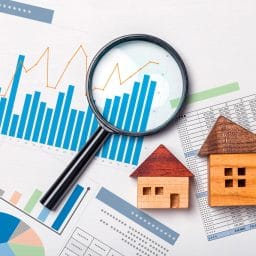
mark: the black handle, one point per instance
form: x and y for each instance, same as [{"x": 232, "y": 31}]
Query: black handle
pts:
[{"x": 73, "y": 171}]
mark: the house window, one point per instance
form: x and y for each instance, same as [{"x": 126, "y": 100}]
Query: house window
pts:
[
  {"x": 228, "y": 171},
  {"x": 228, "y": 183},
  {"x": 241, "y": 171},
  {"x": 241, "y": 183},
  {"x": 159, "y": 190},
  {"x": 146, "y": 191}
]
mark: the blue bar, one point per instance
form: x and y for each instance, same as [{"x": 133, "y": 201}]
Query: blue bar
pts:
[
  {"x": 70, "y": 127},
  {"x": 46, "y": 124},
  {"x": 119, "y": 124},
  {"x": 94, "y": 127},
  {"x": 32, "y": 12},
  {"x": 13, "y": 94},
  {"x": 14, "y": 123},
  {"x": 121, "y": 115},
  {"x": 121, "y": 150},
  {"x": 2, "y": 108},
  {"x": 139, "y": 107},
  {"x": 64, "y": 116},
  {"x": 137, "y": 151},
  {"x": 67, "y": 207},
  {"x": 147, "y": 108},
  {"x": 112, "y": 120},
  {"x": 128, "y": 120},
  {"x": 44, "y": 214},
  {"x": 55, "y": 119},
  {"x": 132, "y": 104},
  {"x": 137, "y": 216},
  {"x": 144, "y": 122},
  {"x": 39, "y": 121},
  {"x": 85, "y": 130},
  {"x": 77, "y": 131},
  {"x": 129, "y": 150},
  {"x": 32, "y": 115},
  {"x": 24, "y": 115},
  {"x": 137, "y": 118},
  {"x": 106, "y": 112}
]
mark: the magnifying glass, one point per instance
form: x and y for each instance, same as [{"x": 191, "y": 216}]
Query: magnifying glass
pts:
[{"x": 130, "y": 86}]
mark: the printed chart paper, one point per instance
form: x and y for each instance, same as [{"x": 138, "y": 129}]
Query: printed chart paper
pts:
[{"x": 193, "y": 128}]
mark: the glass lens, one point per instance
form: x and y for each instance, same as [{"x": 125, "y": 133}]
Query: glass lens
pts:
[{"x": 137, "y": 86}]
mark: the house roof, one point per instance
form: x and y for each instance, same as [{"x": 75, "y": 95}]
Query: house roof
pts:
[
  {"x": 227, "y": 137},
  {"x": 161, "y": 163}
]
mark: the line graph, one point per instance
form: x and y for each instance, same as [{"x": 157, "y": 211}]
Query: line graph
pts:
[
  {"x": 45, "y": 55},
  {"x": 123, "y": 80}
]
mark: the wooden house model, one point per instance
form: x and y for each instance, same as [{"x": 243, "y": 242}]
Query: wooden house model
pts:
[
  {"x": 231, "y": 151},
  {"x": 163, "y": 181}
]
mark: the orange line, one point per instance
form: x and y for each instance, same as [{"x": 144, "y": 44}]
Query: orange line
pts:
[
  {"x": 122, "y": 81},
  {"x": 46, "y": 54}
]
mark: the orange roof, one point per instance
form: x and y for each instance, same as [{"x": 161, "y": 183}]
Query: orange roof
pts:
[
  {"x": 227, "y": 137},
  {"x": 161, "y": 163}
]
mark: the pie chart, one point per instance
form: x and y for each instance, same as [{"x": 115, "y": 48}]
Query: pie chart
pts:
[{"x": 17, "y": 238}]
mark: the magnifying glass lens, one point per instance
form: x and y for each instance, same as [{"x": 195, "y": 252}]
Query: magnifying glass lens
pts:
[{"x": 137, "y": 87}]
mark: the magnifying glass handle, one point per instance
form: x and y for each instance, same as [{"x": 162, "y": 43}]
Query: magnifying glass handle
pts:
[{"x": 74, "y": 170}]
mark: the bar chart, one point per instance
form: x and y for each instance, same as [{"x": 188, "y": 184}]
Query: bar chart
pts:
[
  {"x": 56, "y": 221},
  {"x": 68, "y": 128}
]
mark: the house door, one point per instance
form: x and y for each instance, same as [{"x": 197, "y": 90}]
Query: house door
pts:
[{"x": 174, "y": 200}]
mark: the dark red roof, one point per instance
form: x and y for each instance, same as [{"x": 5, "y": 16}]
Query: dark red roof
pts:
[
  {"x": 161, "y": 163},
  {"x": 227, "y": 137}
]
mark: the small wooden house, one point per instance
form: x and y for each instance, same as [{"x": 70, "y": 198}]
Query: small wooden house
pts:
[
  {"x": 163, "y": 181},
  {"x": 231, "y": 151}
]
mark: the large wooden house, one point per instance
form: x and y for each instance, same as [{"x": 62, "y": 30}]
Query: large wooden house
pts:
[
  {"x": 231, "y": 151},
  {"x": 163, "y": 181}
]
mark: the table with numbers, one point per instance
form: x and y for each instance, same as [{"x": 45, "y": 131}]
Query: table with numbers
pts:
[{"x": 193, "y": 128}]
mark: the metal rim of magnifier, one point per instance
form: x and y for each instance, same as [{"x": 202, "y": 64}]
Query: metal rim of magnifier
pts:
[{"x": 134, "y": 37}]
